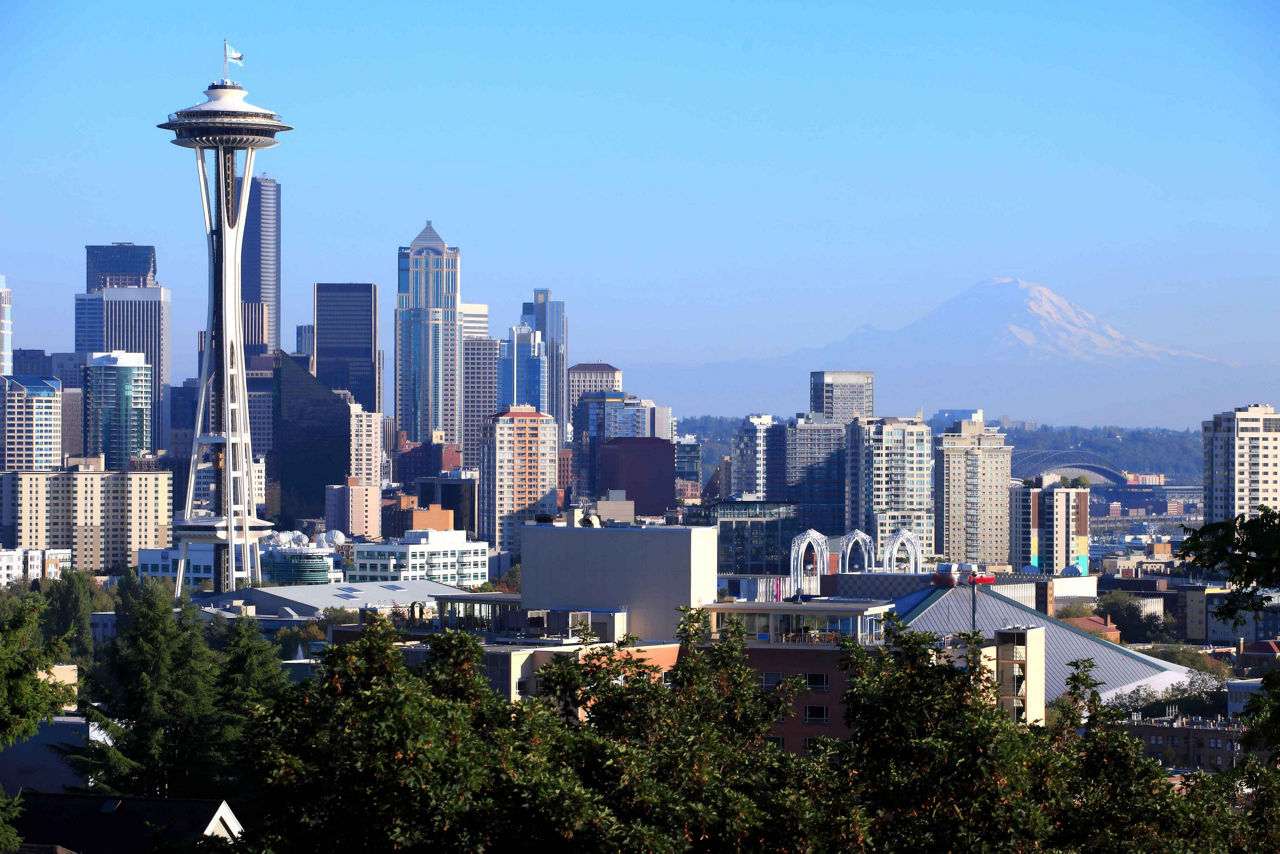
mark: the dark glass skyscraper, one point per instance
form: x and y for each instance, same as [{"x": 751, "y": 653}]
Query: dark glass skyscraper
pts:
[
  {"x": 547, "y": 316},
  {"x": 119, "y": 265},
  {"x": 311, "y": 443},
  {"x": 260, "y": 266},
  {"x": 346, "y": 342}
]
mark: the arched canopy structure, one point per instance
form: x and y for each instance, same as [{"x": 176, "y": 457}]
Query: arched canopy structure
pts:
[
  {"x": 902, "y": 539},
  {"x": 1071, "y": 463},
  {"x": 866, "y": 547},
  {"x": 809, "y": 560}
]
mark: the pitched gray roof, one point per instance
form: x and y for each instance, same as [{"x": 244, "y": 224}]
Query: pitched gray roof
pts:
[
  {"x": 428, "y": 237},
  {"x": 1119, "y": 669}
]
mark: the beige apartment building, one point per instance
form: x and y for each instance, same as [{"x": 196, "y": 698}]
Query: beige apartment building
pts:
[
  {"x": 103, "y": 517},
  {"x": 517, "y": 474},
  {"x": 971, "y": 467},
  {"x": 366, "y": 447},
  {"x": 1241, "y": 462},
  {"x": 591, "y": 376}
]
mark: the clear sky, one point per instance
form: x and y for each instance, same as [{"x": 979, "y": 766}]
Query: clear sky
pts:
[{"x": 698, "y": 180}]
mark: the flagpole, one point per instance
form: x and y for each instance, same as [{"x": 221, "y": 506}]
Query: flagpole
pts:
[{"x": 225, "y": 73}]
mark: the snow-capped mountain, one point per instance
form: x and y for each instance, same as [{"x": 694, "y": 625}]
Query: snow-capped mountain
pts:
[{"x": 1007, "y": 346}]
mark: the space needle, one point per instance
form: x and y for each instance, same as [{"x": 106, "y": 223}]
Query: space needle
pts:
[{"x": 232, "y": 130}]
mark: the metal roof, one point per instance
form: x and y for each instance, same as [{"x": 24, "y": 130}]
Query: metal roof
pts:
[
  {"x": 948, "y": 611},
  {"x": 428, "y": 237},
  {"x": 308, "y": 599}
]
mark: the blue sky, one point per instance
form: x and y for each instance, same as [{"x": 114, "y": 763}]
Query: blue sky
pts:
[{"x": 699, "y": 181}]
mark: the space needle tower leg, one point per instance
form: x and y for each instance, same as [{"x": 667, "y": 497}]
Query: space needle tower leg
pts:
[{"x": 226, "y": 129}]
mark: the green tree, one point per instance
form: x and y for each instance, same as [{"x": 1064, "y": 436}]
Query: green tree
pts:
[
  {"x": 367, "y": 738},
  {"x": 1246, "y": 552},
  {"x": 926, "y": 736},
  {"x": 70, "y": 600},
  {"x": 27, "y": 694},
  {"x": 1074, "y": 609},
  {"x": 290, "y": 640},
  {"x": 1108, "y": 796},
  {"x": 1189, "y": 656},
  {"x": 1125, "y": 611},
  {"x": 251, "y": 681},
  {"x": 154, "y": 697}
]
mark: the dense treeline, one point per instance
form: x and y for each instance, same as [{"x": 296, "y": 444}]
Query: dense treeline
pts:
[
  {"x": 371, "y": 755},
  {"x": 1176, "y": 453}
]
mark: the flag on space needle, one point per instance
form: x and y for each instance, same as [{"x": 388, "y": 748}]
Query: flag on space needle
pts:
[{"x": 231, "y": 54}]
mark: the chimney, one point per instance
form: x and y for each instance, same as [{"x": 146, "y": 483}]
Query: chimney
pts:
[{"x": 1239, "y": 646}]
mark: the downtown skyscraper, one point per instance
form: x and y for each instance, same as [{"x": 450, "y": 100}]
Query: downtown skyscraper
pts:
[
  {"x": 346, "y": 340},
  {"x": 889, "y": 487},
  {"x": 6, "y": 329},
  {"x": 971, "y": 472},
  {"x": 428, "y": 336},
  {"x": 522, "y": 370},
  {"x": 119, "y": 265},
  {"x": 260, "y": 264},
  {"x": 123, "y": 309},
  {"x": 547, "y": 317}
]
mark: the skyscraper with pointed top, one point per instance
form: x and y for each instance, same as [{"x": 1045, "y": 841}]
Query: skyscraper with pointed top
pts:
[{"x": 428, "y": 335}]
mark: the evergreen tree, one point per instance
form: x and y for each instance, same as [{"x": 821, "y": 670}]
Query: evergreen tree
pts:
[
  {"x": 27, "y": 695},
  {"x": 153, "y": 695},
  {"x": 70, "y": 601}
]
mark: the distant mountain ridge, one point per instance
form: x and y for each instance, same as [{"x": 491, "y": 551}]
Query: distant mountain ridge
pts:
[{"x": 1007, "y": 345}]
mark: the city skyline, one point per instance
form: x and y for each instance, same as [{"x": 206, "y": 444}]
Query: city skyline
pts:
[{"x": 1123, "y": 229}]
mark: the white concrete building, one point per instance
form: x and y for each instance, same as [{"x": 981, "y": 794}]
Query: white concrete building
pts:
[
  {"x": 647, "y": 572},
  {"x": 24, "y": 565},
  {"x": 445, "y": 557},
  {"x": 1241, "y": 462},
  {"x": 889, "y": 463},
  {"x": 759, "y": 450},
  {"x": 32, "y": 423}
]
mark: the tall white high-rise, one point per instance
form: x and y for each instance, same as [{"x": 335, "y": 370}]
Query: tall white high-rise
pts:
[
  {"x": 889, "y": 463},
  {"x": 32, "y": 423},
  {"x": 6, "y": 329},
  {"x": 231, "y": 130},
  {"x": 1241, "y": 462},
  {"x": 971, "y": 493},
  {"x": 760, "y": 458}
]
